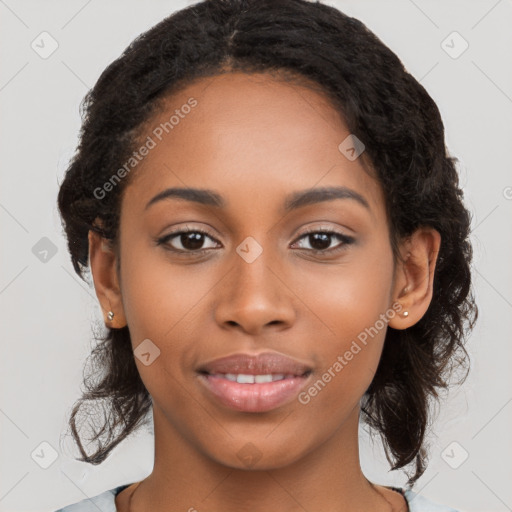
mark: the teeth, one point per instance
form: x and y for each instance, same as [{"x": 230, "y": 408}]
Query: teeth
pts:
[
  {"x": 242, "y": 378},
  {"x": 245, "y": 379},
  {"x": 259, "y": 379}
]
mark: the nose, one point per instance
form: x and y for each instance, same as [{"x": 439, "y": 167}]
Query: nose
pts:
[{"x": 255, "y": 296}]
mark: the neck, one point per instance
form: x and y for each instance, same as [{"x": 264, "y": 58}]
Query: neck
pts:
[{"x": 329, "y": 477}]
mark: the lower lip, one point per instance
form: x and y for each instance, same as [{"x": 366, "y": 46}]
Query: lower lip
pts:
[{"x": 253, "y": 397}]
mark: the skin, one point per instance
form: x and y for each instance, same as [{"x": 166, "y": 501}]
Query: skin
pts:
[{"x": 253, "y": 140}]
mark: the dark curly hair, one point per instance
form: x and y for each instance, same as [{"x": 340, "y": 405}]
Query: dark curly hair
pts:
[{"x": 381, "y": 103}]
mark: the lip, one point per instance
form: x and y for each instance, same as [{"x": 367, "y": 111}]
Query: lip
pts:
[
  {"x": 254, "y": 397},
  {"x": 260, "y": 364}
]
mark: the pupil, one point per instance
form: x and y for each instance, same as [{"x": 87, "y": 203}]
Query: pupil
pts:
[
  {"x": 192, "y": 241},
  {"x": 323, "y": 238}
]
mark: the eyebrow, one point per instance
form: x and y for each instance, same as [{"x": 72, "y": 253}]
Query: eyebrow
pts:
[
  {"x": 320, "y": 194},
  {"x": 293, "y": 201}
]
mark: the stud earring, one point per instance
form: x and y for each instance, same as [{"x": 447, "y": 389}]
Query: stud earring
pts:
[
  {"x": 405, "y": 313},
  {"x": 110, "y": 315}
]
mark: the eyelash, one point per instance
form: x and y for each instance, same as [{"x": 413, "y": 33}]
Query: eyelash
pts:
[{"x": 346, "y": 240}]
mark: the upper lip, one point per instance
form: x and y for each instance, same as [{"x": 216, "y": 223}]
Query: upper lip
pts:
[{"x": 261, "y": 364}]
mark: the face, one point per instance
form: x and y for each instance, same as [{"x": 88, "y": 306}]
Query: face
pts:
[{"x": 256, "y": 267}]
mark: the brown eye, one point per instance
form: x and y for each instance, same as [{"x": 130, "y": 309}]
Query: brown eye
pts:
[
  {"x": 191, "y": 241},
  {"x": 320, "y": 241}
]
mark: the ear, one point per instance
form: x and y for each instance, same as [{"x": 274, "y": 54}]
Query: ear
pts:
[
  {"x": 414, "y": 277},
  {"x": 102, "y": 260}
]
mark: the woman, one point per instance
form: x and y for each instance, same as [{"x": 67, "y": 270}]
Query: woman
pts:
[{"x": 278, "y": 242}]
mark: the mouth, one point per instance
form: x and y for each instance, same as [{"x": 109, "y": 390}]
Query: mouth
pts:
[
  {"x": 244, "y": 378},
  {"x": 254, "y": 383},
  {"x": 253, "y": 393}
]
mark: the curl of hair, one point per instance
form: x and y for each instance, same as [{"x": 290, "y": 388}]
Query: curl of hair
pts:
[{"x": 311, "y": 44}]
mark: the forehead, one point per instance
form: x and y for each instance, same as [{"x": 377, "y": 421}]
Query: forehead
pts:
[{"x": 248, "y": 132}]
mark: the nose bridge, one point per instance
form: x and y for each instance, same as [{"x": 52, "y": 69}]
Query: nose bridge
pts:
[
  {"x": 254, "y": 296},
  {"x": 253, "y": 268}
]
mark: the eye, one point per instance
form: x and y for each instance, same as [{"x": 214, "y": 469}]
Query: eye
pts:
[
  {"x": 320, "y": 240},
  {"x": 187, "y": 241},
  {"x": 192, "y": 241}
]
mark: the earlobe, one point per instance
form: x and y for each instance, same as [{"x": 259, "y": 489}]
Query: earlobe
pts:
[
  {"x": 414, "y": 279},
  {"x": 102, "y": 261}
]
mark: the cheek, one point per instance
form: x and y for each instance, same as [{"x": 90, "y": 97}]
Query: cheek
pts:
[
  {"x": 351, "y": 304},
  {"x": 349, "y": 297},
  {"x": 158, "y": 296},
  {"x": 164, "y": 303},
  {"x": 159, "y": 303}
]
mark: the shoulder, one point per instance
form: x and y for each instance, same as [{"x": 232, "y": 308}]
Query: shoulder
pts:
[
  {"x": 418, "y": 503},
  {"x": 104, "y": 502}
]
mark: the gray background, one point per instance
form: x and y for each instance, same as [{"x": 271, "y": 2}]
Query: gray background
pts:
[{"x": 46, "y": 311}]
